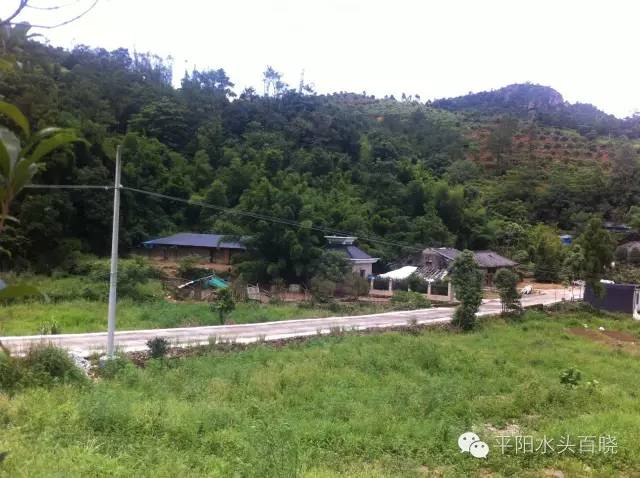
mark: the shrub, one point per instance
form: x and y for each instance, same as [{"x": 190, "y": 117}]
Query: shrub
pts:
[
  {"x": 132, "y": 273},
  {"x": 355, "y": 286},
  {"x": 224, "y": 304},
  {"x": 409, "y": 300},
  {"x": 322, "y": 289},
  {"x": 112, "y": 367},
  {"x": 417, "y": 283},
  {"x": 571, "y": 377},
  {"x": 506, "y": 282},
  {"x": 158, "y": 347},
  {"x": 11, "y": 373},
  {"x": 48, "y": 365},
  {"x": 188, "y": 268}
]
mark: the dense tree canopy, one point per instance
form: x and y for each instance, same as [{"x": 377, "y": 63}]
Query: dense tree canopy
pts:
[{"x": 402, "y": 171}]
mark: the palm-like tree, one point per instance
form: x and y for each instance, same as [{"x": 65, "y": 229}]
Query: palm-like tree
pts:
[{"x": 21, "y": 154}]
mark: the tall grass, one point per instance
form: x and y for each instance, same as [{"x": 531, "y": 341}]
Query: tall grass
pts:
[
  {"x": 80, "y": 315},
  {"x": 382, "y": 405}
]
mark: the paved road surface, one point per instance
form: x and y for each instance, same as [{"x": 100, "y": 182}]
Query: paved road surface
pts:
[{"x": 133, "y": 340}]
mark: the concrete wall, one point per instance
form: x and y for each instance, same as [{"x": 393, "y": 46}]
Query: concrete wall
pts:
[{"x": 358, "y": 268}]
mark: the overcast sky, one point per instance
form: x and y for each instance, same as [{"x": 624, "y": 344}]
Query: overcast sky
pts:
[{"x": 587, "y": 50}]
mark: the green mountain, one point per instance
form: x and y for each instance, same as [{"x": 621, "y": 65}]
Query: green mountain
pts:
[{"x": 499, "y": 169}]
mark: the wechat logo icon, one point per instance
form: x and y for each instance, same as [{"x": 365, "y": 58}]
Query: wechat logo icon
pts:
[{"x": 470, "y": 442}]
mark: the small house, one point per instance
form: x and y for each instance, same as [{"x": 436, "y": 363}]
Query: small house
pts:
[
  {"x": 361, "y": 262},
  {"x": 214, "y": 249},
  {"x": 435, "y": 262}
]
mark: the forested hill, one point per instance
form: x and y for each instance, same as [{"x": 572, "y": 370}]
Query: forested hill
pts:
[
  {"x": 473, "y": 172},
  {"x": 545, "y": 105}
]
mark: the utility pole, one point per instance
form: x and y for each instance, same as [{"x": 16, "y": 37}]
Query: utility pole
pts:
[{"x": 113, "y": 276}]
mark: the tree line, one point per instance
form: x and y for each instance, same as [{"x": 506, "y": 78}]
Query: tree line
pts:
[{"x": 376, "y": 168}]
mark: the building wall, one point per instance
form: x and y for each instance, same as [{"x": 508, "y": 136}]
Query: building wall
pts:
[
  {"x": 358, "y": 268},
  {"x": 434, "y": 260},
  {"x": 616, "y": 298},
  {"x": 209, "y": 255}
]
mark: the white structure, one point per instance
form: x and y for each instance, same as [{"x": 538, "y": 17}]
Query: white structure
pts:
[{"x": 399, "y": 274}]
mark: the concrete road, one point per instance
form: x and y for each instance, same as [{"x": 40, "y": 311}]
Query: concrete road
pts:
[{"x": 86, "y": 344}]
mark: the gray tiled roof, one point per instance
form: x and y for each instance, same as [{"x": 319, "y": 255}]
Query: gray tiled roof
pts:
[
  {"x": 484, "y": 259},
  {"x": 492, "y": 259},
  {"x": 188, "y": 239},
  {"x": 352, "y": 252}
]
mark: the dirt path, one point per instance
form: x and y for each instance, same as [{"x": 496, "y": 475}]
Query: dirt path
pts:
[{"x": 135, "y": 340}]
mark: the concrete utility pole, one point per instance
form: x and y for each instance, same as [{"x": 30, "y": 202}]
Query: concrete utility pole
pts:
[{"x": 113, "y": 277}]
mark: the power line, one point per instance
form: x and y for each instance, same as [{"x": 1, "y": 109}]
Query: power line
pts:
[
  {"x": 227, "y": 210},
  {"x": 269, "y": 218},
  {"x": 68, "y": 186}
]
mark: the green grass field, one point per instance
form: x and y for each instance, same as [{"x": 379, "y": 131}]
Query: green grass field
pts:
[
  {"x": 381, "y": 405},
  {"x": 72, "y": 313},
  {"x": 79, "y": 315}
]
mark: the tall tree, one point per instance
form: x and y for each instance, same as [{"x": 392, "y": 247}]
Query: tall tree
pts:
[
  {"x": 467, "y": 285},
  {"x": 506, "y": 282},
  {"x": 597, "y": 245},
  {"x": 546, "y": 252}
]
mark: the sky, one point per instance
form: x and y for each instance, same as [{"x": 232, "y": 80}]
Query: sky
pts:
[{"x": 587, "y": 50}]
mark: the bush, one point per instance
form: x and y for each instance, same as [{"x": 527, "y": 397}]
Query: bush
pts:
[
  {"x": 188, "y": 268},
  {"x": 224, "y": 304},
  {"x": 355, "y": 286},
  {"x": 42, "y": 366},
  {"x": 132, "y": 273},
  {"x": 112, "y": 367},
  {"x": 322, "y": 289},
  {"x": 409, "y": 300},
  {"x": 506, "y": 282},
  {"x": 571, "y": 377},
  {"x": 417, "y": 283},
  {"x": 48, "y": 365},
  {"x": 11, "y": 373},
  {"x": 158, "y": 347}
]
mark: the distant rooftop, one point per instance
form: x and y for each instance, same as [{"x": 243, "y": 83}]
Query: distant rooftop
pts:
[
  {"x": 485, "y": 259},
  {"x": 343, "y": 240},
  {"x": 189, "y": 239},
  {"x": 344, "y": 245}
]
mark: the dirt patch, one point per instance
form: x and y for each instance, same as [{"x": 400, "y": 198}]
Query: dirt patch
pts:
[
  {"x": 620, "y": 336},
  {"x": 613, "y": 338},
  {"x": 540, "y": 285}
]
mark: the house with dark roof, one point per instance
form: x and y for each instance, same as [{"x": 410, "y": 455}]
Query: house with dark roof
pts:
[
  {"x": 361, "y": 262},
  {"x": 434, "y": 263},
  {"x": 215, "y": 249}
]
